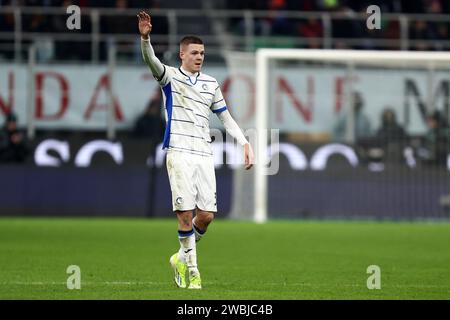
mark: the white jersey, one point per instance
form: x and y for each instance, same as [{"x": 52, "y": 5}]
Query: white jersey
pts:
[{"x": 188, "y": 101}]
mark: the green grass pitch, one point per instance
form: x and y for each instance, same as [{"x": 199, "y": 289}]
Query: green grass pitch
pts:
[{"x": 128, "y": 259}]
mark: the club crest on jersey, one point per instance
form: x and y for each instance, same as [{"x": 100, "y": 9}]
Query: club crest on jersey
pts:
[
  {"x": 204, "y": 86},
  {"x": 179, "y": 200}
]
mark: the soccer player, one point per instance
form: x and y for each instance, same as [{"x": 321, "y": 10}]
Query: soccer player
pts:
[{"x": 189, "y": 96}]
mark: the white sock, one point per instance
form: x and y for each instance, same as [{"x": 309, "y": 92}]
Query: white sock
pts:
[{"x": 188, "y": 250}]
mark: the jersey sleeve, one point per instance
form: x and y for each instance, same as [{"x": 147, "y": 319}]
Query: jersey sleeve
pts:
[
  {"x": 218, "y": 105},
  {"x": 232, "y": 127},
  {"x": 159, "y": 71}
]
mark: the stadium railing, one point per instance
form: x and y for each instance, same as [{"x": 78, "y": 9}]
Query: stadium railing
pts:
[{"x": 243, "y": 27}]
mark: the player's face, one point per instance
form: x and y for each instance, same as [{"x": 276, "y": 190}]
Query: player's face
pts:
[{"x": 192, "y": 57}]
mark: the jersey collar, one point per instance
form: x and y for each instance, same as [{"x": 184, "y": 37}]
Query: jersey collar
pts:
[{"x": 191, "y": 77}]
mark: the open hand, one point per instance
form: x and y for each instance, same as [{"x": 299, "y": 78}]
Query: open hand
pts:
[{"x": 145, "y": 25}]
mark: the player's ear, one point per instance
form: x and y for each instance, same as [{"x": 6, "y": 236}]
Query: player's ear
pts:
[{"x": 181, "y": 55}]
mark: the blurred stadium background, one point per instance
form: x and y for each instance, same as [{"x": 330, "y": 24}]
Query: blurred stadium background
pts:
[
  {"x": 89, "y": 123},
  {"x": 82, "y": 125}
]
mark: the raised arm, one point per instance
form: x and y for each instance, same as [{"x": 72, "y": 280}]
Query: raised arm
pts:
[
  {"x": 145, "y": 27},
  {"x": 233, "y": 129}
]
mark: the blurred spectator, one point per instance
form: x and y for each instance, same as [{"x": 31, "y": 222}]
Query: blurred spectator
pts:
[
  {"x": 433, "y": 7},
  {"x": 390, "y": 138},
  {"x": 420, "y": 33},
  {"x": 7, "y": 22},
  {"x": 446, "y": 7},
  {"x": 362, "y": 127},
  {"x": 150, "y": 124},
  {"x": 328, "y": 5},
  {"x": 122, "y": 23},
  {"x": 13, "y": 146},
  {"x": 237, "y": 24},
  {"x": 346, "y": 26},
  {"x": 313, "y": 30},
  {"x": 280, "y": 24},
  {"x": 416, "y": 6},
  {"x": 101, "y": 3},
  {"x": 305, "y": 5},
  {"x": 37, "y": 3},
  {"x": 144, "y": 4},
  {"x": 247, "y": 4},
  {"x": 361, "y": 5},
  {"x": 437, "y": 140},
  {"x": 436, "y": 30},
  {"x": 390, "y": 131},
  {"x": 388, "y": 143},
  {"x": 7, "y": 25},
  {"x": 119, "y": 24},
  {"x": 392, "y": 30}
]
